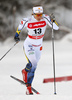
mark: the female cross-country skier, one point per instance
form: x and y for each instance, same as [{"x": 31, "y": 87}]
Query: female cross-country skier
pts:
[{"x": 36, "y": 26}]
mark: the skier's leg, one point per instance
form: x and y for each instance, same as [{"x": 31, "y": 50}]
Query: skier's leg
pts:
[
  {"x": 28, "y": 74},
  {"x": 32, "y": 55}
]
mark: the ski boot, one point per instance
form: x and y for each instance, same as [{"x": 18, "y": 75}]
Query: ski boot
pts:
[{"x": 29, "y": 90}]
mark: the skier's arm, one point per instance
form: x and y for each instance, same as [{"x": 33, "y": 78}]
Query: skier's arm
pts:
[
  {"x": 49, "y": 22},
  {"x": 22, "y": 25}
]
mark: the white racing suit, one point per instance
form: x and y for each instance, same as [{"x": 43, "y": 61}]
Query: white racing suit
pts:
[{"x": 33, "y": 42}]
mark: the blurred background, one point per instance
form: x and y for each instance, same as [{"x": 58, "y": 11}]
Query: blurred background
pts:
[{"x": 12, "y": 11}]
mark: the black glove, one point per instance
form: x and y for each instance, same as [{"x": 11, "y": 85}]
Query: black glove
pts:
[
  {"x": 17, "y": 39},
  {"x": 52, "y": 17}
]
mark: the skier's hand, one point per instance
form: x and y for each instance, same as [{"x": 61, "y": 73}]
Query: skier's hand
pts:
[
  {"x": 17, "y": 39},
  {"x": 52, "y": 17}
]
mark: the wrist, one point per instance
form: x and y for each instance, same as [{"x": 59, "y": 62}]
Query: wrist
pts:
[{"x": 16, "y": 35}]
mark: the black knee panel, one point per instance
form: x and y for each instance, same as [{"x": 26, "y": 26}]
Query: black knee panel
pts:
[{"x": 28, "y": 66}]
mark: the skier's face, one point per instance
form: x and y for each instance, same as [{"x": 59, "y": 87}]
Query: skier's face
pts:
[{"x": 38, "y": 16}]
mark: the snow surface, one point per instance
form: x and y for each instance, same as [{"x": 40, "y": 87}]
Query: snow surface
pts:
[{"x": 15, "y": 61}]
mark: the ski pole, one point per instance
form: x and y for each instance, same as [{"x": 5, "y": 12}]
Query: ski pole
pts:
[
  {"x": 8, "y": 51},
  {"x": 53, "y": 59}
]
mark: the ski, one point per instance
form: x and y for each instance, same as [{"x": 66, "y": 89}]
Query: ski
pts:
[{"x": 22, "y": 82}]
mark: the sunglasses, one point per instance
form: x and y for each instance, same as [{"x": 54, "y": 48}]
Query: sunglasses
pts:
[{"x": 38, "y": 14}]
